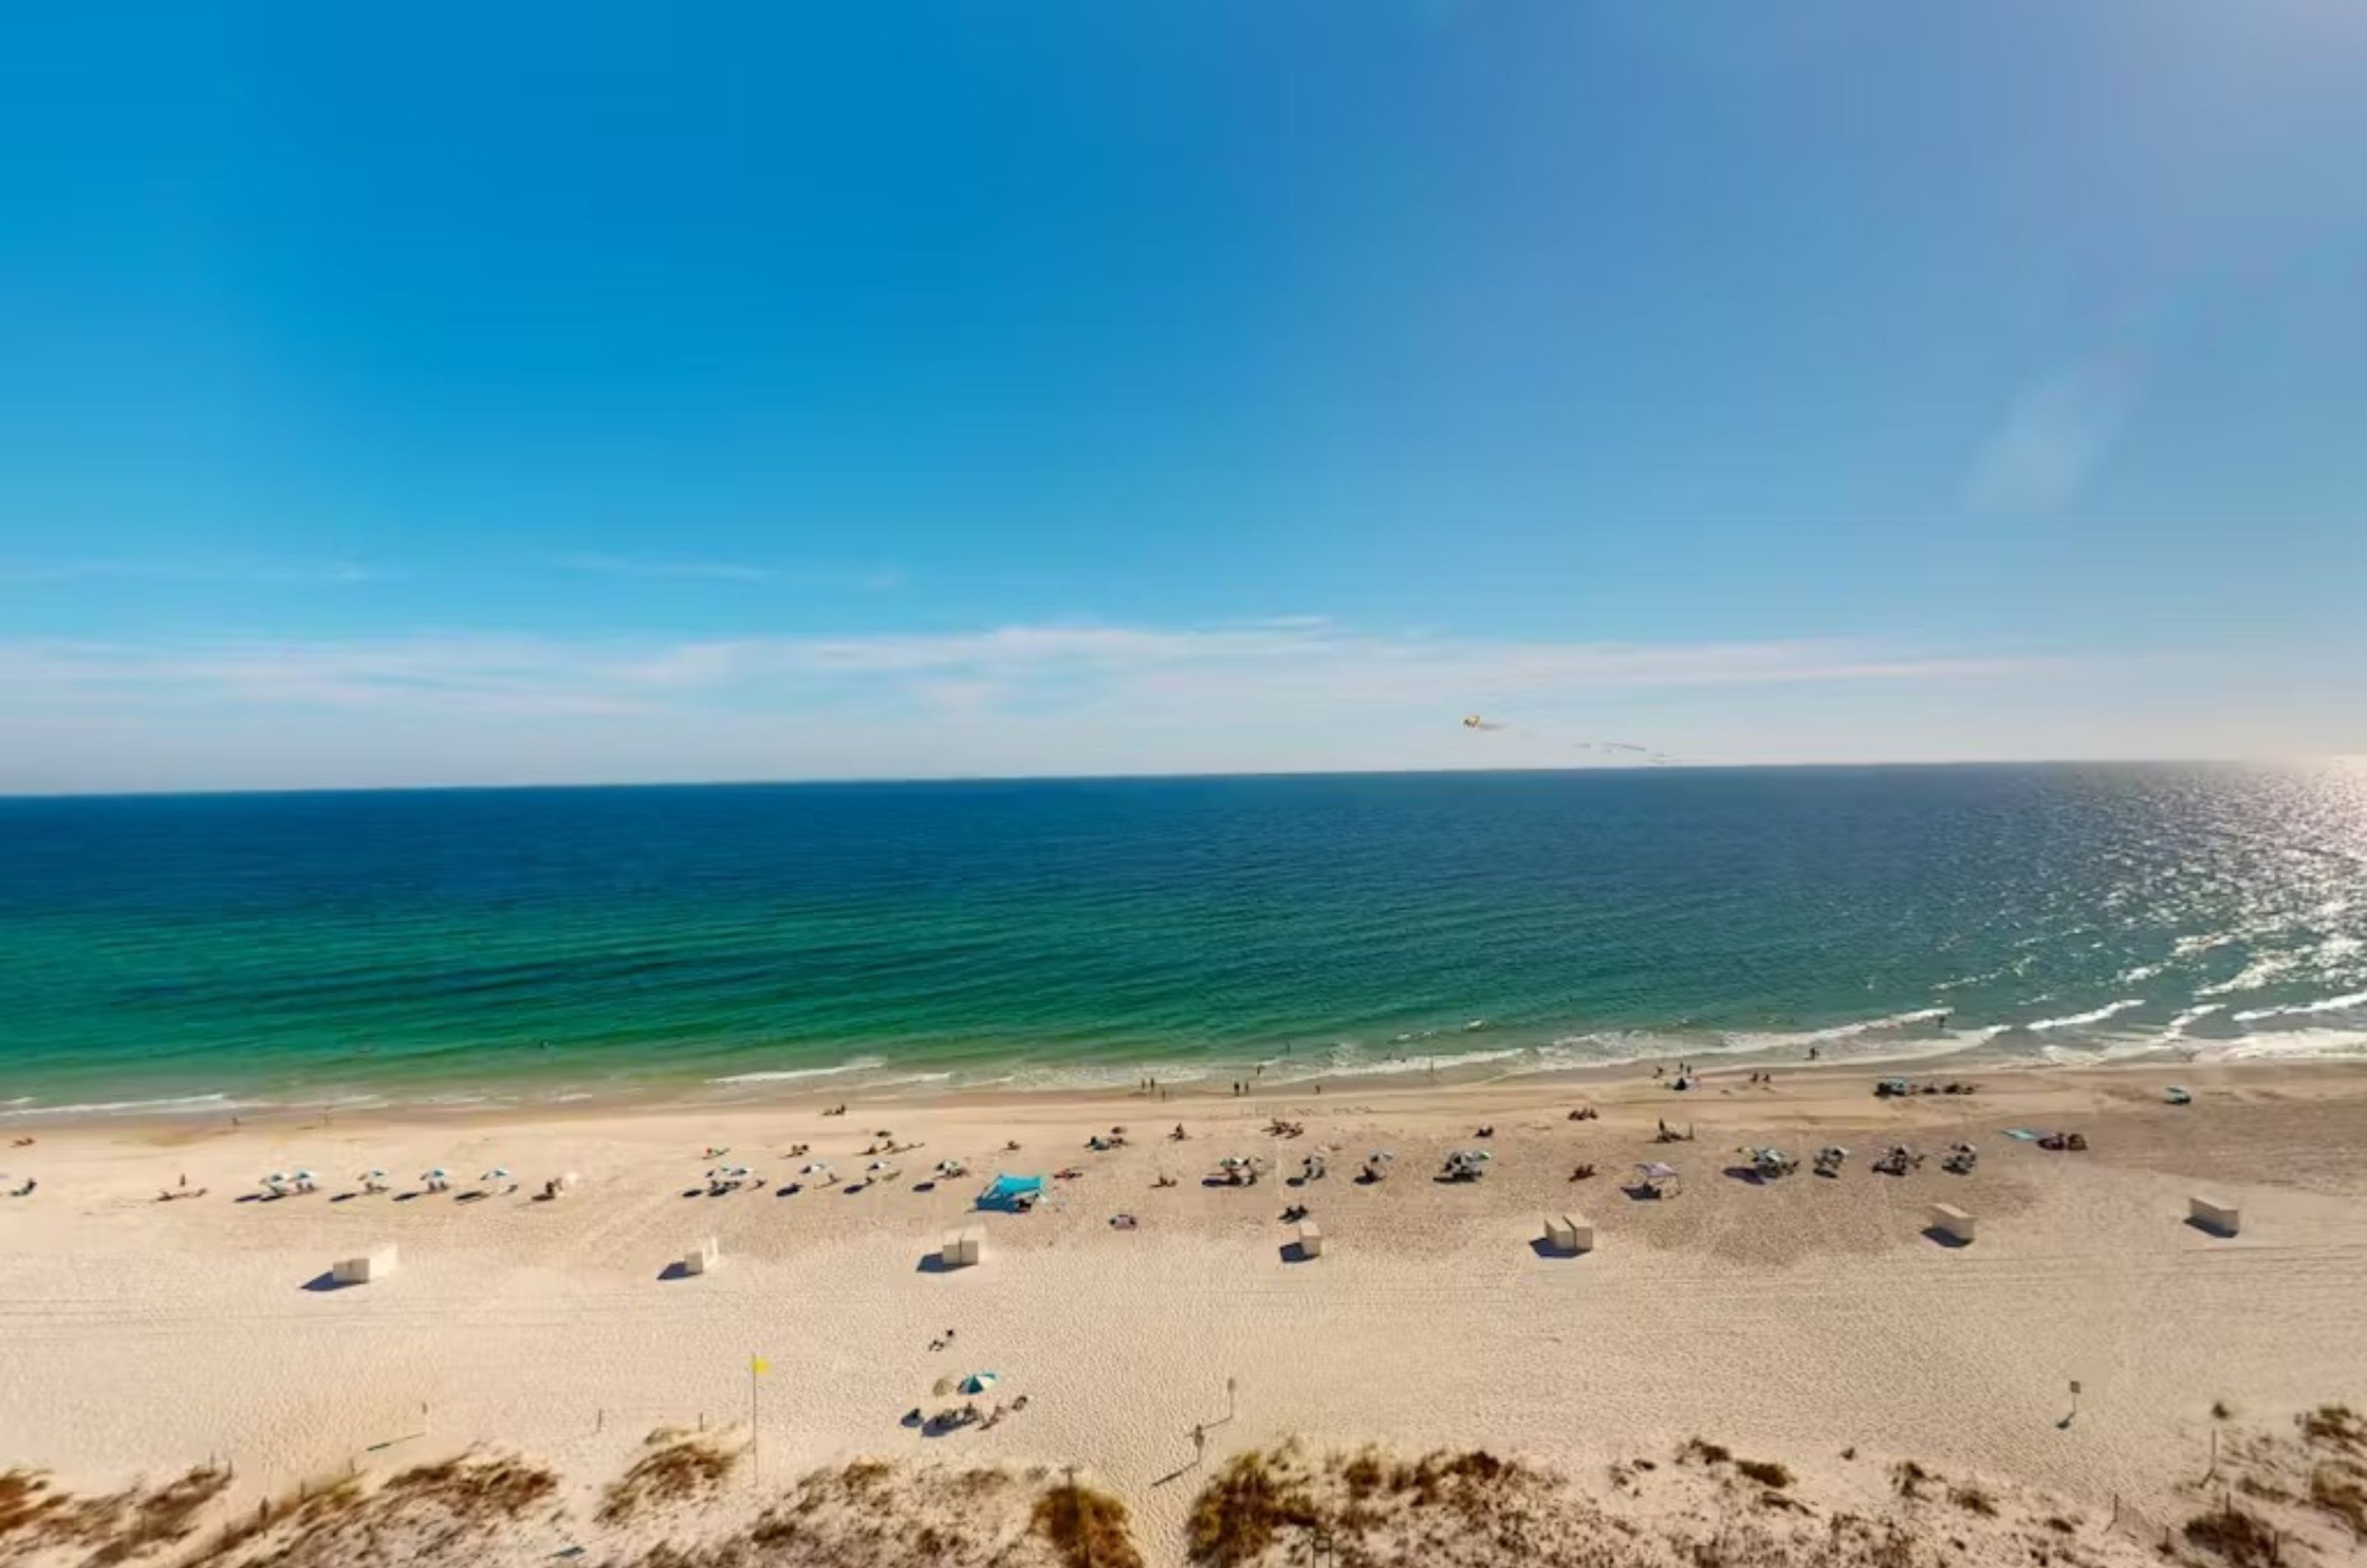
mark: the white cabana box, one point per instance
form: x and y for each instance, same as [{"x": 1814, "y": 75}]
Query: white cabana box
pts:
[
  {"x": 1311, "y": 1239},
  {"x": 1569, "y": 1233},
  {"x": 703, "y": 1258},
  {"x": 376, "y": 1264},
  {"x": 1952, "y": 1222},
  {"x": 962, "y": 1248},
  {"x": 2214, "y": 1214}
]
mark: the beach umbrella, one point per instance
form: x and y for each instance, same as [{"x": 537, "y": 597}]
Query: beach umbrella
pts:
[
  {"x": 276, "y": 1179},
  {"x": 305, "y": 1175},
  {"x": 1657, "y": 1171},
  {"x": 876, "y": 1165},
  {"x": 373, "y": 1174},
  {"x": 1379, "y": 1157},
  {"x": 818, "y": 1167},
  {"x": 979, "y": 1382},
  {"x": 499, "y": 1173}
]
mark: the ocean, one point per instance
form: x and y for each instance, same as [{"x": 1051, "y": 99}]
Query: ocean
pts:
[{"x": 545, "y": 944}]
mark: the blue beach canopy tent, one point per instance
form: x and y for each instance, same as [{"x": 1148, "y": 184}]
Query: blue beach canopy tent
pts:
[{"x": 1005, "y": 1192}]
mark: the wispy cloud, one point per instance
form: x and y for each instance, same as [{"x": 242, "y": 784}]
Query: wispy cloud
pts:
[
  {"x": 2056, "y": 437},
  {"x": 1269, "y": 666},
  {"x": 297, "y": 574},
  {"x": 1300, "y": 693},
  {"x": 861, "y": 579}
]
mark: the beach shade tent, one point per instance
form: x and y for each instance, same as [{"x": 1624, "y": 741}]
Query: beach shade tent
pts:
[
  {"x": 1655, "y": 1175},
  {"x": 979, "y": 1382},
  {"x": 1005, "y": 1192}
]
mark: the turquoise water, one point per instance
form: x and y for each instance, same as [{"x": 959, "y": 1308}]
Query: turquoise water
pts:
[{"x": 551, "y": 943}]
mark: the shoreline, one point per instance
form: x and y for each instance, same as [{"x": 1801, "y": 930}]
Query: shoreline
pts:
[{"x": 183, "y": 1114}]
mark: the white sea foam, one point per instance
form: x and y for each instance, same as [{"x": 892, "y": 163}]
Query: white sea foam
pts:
[
  {"x": 2297, "y": 1009},
  {"x": 2075, "y": 1020},
  {"x": 1870, "y": 1025},
  {"x": 2289, "y": 1044},
  {"x": 26, "y": 1108},
  {"x": 2261, "y": 971},
  {"x": 905, "y": 1080},
  {"x": 1091, "y": 1075},
  {"x": 788, "y": 1075},
  {"x": 2191, "y": 1015},
  {"x": 1394, "y": 1065}
]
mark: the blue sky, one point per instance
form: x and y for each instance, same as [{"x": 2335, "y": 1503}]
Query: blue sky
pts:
[{"x": 515, "y": 393}]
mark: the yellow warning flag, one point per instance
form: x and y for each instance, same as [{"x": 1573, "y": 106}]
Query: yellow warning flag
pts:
[{"x": 759, "y": 1366}]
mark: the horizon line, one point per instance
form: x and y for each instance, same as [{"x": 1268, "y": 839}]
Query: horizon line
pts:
[{"x": 923, "y": 780}]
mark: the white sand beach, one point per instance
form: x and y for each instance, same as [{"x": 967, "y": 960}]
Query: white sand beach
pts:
[{"x": 1798, "y": 1318}]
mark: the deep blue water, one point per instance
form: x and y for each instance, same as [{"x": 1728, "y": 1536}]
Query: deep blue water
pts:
[{"x": 544, "y": 942}]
